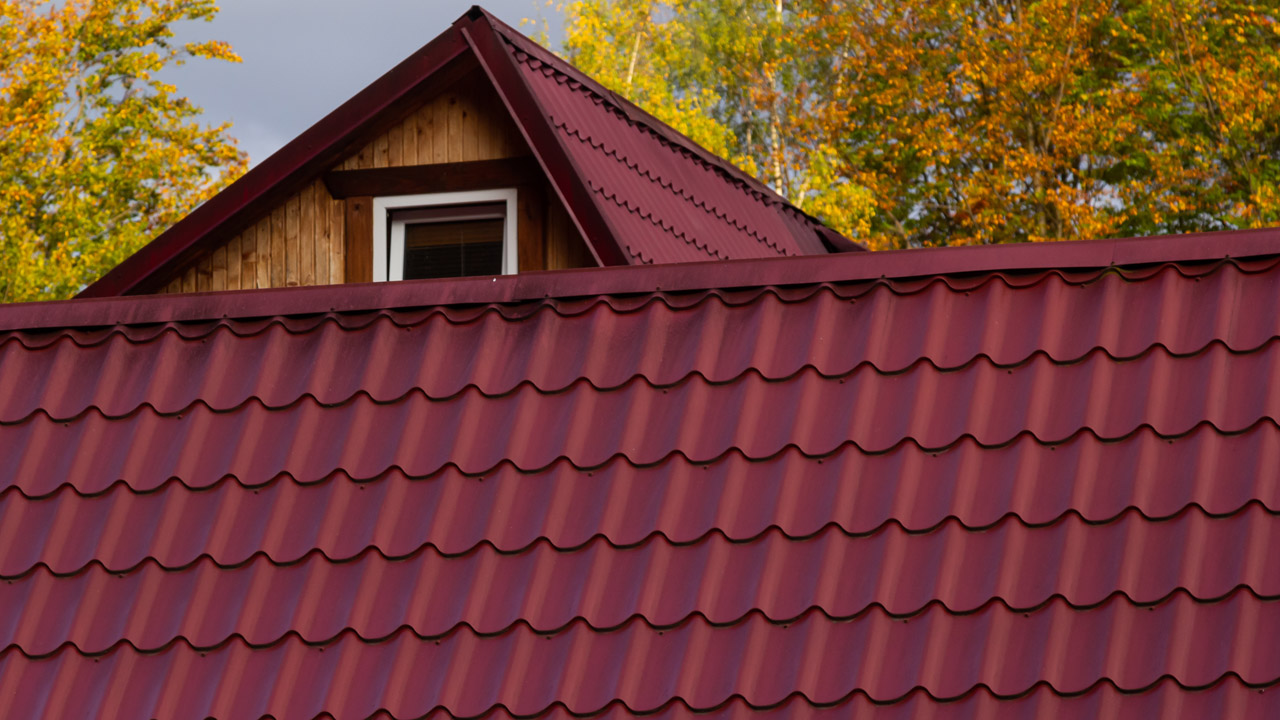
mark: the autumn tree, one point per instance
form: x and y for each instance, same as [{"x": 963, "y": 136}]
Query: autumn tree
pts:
[
  {"x": 97, "y": 155},
  {"x": 979, "y": 121}
]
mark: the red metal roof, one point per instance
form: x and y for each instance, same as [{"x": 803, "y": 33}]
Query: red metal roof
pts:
[
  {"x": 667, "y": 199},
  {"x": 637, "y": 190},
  {"x": 1025, "y": 481}
]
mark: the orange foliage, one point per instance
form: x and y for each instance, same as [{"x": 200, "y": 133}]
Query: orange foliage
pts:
[{"x": 97, "y": 155}]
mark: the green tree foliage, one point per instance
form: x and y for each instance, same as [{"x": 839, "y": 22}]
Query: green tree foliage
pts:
[
  {"x": 97, "y": 156},
  {"x": 974, "y": 121}
]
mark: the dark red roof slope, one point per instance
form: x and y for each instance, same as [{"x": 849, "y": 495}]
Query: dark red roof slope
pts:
[
  {"x": 637, "y": 190},
  {"x": 667, "y": 199},
  {"x": 1025, "y": 481}
]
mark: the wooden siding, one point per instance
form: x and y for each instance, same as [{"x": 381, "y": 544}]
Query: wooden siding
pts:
[
  {"x": 299, "y": 243},
  {"x": 565, "y": 248},
  {"x": 467, "y": 122},
  {"x": 304, "y": 241}
]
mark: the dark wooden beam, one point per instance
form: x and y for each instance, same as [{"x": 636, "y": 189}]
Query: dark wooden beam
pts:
[
  {"x": 359, "y": 236},
  {"x": 443, "y": 177}
]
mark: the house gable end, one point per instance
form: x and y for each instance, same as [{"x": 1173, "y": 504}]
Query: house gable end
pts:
[{"x": 605, "y": 183}]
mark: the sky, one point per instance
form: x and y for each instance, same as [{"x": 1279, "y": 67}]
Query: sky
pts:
[{"x": 303, "y": 58}]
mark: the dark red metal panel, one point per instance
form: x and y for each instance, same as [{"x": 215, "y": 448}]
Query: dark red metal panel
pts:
[
  {"x": 943, "y": 484},
  {"x": 833, "y": 329}
]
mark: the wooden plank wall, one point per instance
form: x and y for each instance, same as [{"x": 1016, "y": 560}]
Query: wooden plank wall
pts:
[
  {"x": 302, "y": 242},
  {"x": 466, "y": 122},
  {"x": 299, "y": 243},
  {"x": 565, "y": 248}
]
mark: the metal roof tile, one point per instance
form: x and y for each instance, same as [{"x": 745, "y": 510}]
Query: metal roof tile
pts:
[
  {"x": 693, "y": 492},
  {"x": 469, "y": 674}
]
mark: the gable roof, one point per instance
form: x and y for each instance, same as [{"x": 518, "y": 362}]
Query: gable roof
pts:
[
  {"x": 1017, "y": 480},
  {"x": 636, "y": 190}
]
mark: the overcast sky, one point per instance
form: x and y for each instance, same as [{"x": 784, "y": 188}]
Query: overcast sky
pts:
[{"x": 303, "y": 58}]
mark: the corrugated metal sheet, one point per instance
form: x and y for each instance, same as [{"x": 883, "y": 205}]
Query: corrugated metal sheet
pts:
[{"x": 948, "y": 496}]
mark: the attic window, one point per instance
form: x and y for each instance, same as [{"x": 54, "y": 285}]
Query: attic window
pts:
[{"x": 444, "y": 235}]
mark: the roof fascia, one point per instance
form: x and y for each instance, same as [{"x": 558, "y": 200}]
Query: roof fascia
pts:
[
  {"x": 310, "y": 153},
  {"x": 481, "y": 34},
  {"x": 675, "y": 278}
]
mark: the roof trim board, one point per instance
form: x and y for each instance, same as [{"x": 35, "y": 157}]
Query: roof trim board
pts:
[{"x": 673, "y": 278}]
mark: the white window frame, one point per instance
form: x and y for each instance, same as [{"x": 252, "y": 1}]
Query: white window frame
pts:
[{"x": 388, "y": 262}]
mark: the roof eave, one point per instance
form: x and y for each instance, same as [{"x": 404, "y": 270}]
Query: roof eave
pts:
[{"x": 672, "y": 278}]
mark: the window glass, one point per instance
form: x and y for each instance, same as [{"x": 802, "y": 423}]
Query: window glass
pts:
[
  {"x": 453, "y": 248},
  {"x": 443, "y": 241}
]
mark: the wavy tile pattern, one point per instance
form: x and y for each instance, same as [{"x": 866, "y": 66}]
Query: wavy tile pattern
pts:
[
  {"x": 642, "y": 667},
  {"x": 833, "y": 329},
  {"x": 1013, "y": 494}
]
